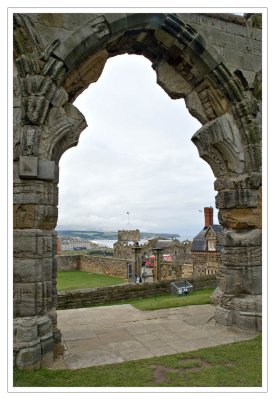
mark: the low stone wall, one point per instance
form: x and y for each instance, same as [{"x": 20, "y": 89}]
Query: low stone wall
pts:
[
  {"x": 170, "y": 271},
  {"x": 97, "y": 264},
  {"x": 204, "y": 282},
  {"x": 89, "y": 297},
  {"x": 104, "y": 265},
  {"x": 175, "y": 270},
  {"x": 68, "y": 263}
]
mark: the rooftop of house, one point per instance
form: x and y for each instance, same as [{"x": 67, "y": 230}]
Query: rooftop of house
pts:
[{"x": 200, "y": 240}]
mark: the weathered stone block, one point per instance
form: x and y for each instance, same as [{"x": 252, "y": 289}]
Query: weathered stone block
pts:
[
  {"x": 47, "y": 345},
  {"x": 246, "y": 256},
  {"x": 243, "y": 181},
  {"x": 242, "y": 60},
  {"x": 29, "y": 357},
  {"x": 46, "y": 170},
  {"x": 250, "y": 319},
  {"x": 23, "y": 216},
  {"x": 237, "y": 280},
  {"x": 25, "y": 298},
  {"x": 32, "y": 270},
  {"x": 43, "y": 193},
  {"x": 45, "y": 217},
  {"x": 219, "y": 142},
  {"x": 254, "y": 33},
  {"x": 206, "y": 52},
  {"x": 246, "y": 303},
  {"x": 213, "y": 22},
  {"x": 31, "y": 298},
  {"x": 51, "y": 20},
  {"x": 87, "y": 72},
  {"x": 26, "y": 330},
  {"x": 117, "y": 22},
  {"x": 236, "y": 29},
  {"x": 251, "y": 237},
  {"x": 242, "y": 218},
  {"x": 249, "y": 77},
  {"x": 237, "y": 198},
  {"x": 171, "y": 81},
  {"x": 227, "y": 40},
  {"x": 223, "y": 316},
  {"x": 32, "y": 243},
  {"x": 86, "y": 38},
  {"x": 44, "y": 325},
  {"x": 212, "y": 35},
  {"x": 73, "y": 21},
  {"x": 257, "y": 47},
  {"x": 35, "y": 216},
  {"x": 194, "y": 105},
  {"x": 59, "y": 98},
  {"x": 165, "y": 38},
  {"x": 28, "y": 167}
]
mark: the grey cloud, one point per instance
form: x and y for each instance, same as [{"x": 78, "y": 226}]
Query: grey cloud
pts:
[{"x": 136, "y": 155}]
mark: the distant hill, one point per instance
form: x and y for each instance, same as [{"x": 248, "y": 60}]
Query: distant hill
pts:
[{"x": 97, "y": 235}]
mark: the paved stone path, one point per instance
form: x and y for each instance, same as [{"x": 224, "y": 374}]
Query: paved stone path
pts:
[{"x": 114, "y": 334}]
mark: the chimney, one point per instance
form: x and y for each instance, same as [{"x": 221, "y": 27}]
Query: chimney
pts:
[{"x": 208, "y": 216}]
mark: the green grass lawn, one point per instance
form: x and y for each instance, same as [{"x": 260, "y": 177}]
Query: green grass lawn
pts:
[
  {"x": 197, "y": 297},
  {"x": 232, "y": 365},
  {"x": 82, "y": 280}
]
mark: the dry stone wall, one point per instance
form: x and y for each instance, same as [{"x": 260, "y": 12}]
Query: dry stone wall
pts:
[
  {"x": 97, "y": 264},
  {"x": 89, "y": 297},
  {"x": 68, "y": 263},
  {"x": 105, "y": 265},
  {"x": 171, "y": 270},
  {"x": 117, "y": 266}
]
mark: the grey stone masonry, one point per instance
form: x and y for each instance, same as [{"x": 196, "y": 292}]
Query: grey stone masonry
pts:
[{"x": 213, "y": 62}]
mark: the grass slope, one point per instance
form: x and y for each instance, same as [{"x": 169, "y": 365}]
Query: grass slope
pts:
[
  {"x": 158, "y": 302},
  {"x": 232, "y": 365}
]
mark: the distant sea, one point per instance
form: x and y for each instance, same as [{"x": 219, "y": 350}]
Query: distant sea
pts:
[
  {"x": 104, "y": 243},
  {"x": 109, "y": 243}
]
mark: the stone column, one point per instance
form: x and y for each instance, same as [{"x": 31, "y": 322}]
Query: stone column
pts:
[
  {"x": 240, "y": 276},
  {"x": 157, "y": 264},
  {"x": 35, "y": 217},
  {"x": 240, "y": 280},
  {"x": 238, "y": 184},
  {"x": 137, "y": 260}
]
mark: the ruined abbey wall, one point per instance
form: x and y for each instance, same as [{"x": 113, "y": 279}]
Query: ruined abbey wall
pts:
[{"x": 213, "y": 62}]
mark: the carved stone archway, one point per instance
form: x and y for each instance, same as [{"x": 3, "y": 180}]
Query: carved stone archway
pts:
[{"x": 56, "y": 57}]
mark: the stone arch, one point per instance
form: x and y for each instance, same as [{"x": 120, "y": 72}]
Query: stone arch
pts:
[{"x": 50, "y": 74}]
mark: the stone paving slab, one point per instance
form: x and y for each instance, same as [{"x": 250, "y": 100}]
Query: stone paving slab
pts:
[{"x": 114, "y": 334}]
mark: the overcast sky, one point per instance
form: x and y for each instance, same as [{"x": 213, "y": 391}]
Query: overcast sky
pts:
[{"x": 135, "y": 156}]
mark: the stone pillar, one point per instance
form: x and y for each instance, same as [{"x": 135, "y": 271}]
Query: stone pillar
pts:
[
  {"x": 137, "y": 260},
  {"x": 240, "y": 280},
  {"x": 35, "y": 217},
  {"x": 240, "y": 276},
  {"x": 157, "y": 264}
]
